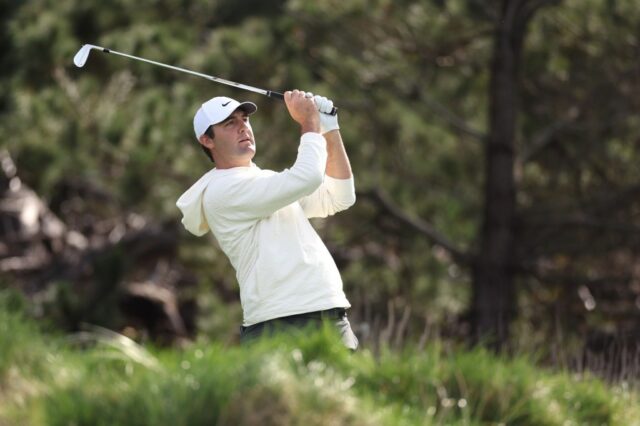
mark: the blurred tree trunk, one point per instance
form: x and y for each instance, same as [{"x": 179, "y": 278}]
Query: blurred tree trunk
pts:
[{"x": 494, "y": 296}]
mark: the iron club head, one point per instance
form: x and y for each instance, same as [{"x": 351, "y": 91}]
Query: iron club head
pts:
[{"x": 83, "y": 54}]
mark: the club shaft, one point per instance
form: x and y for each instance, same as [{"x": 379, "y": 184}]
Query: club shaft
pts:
[
  {"x": 83, "y": 54},
  {"x": 269, "y": 93},
  {"x": 208, "y": 77}
]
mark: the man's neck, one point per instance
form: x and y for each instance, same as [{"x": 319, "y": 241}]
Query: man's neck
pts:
[{"x": 225, "y": 165}]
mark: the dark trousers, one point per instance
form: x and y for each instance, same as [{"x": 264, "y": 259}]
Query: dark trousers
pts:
[{"x": 336, "y": 317}]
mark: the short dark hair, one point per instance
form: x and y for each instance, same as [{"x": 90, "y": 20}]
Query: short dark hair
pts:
[{"x": 208, "y": 132}]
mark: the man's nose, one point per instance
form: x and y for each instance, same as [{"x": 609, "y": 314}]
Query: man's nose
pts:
[{"x": 244, "y": 127}]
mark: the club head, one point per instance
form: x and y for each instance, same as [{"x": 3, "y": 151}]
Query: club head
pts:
[{"x": 83, "y": 54}]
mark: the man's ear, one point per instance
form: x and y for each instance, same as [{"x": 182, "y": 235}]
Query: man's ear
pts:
[{"x": 206, "y": 141}]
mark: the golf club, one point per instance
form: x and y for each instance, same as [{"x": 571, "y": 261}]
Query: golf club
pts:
[{"x": 83, "y": 54}]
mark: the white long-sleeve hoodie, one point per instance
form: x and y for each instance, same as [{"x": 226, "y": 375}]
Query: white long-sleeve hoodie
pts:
[{"x": 260, "y": 219}]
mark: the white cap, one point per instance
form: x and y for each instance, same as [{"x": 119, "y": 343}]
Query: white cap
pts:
[{"x": 217, "y": 110}]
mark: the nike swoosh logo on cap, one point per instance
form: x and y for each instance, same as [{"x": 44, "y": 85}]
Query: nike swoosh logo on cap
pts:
[{"x": 224, "y": 105}]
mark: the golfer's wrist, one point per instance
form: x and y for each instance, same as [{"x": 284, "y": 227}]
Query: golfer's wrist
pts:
[{"x": 310, "y": 126}]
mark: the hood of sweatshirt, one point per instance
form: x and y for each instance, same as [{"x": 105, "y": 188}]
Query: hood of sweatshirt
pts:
[{"x": 190, "y": 203}]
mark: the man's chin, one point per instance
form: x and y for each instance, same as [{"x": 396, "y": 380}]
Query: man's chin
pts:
[{"x": 249, "y": 151}]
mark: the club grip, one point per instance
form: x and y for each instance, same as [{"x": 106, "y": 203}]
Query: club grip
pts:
[{"x": 278, "y": 95}]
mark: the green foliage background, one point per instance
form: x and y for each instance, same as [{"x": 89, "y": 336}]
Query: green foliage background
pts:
[{"x": 411, "y": 80}]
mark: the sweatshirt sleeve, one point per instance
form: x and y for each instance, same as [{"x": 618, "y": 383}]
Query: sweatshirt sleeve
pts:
[
  {"x": 257, "y": 196},
  {"x": 333, "y": 196}
]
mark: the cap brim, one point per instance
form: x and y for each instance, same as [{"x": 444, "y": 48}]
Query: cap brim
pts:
[{"x": 248, "y": 107}]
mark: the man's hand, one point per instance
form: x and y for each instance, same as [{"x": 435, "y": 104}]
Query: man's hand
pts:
[
  {"x": 303, "y": 110},
  {"x": 328, "y": 122}
]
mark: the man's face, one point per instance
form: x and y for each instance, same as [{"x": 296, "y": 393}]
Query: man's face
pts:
[{"x": 233, "y": 142}]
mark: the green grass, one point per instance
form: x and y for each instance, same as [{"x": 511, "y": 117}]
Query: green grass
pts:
[{"x": 102, "y": 378}]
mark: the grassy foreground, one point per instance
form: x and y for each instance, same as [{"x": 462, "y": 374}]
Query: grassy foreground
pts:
[{"x": 102, "y": 378}]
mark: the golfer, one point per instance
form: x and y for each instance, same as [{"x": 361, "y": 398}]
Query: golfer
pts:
[{"x": 287, "y": 277}]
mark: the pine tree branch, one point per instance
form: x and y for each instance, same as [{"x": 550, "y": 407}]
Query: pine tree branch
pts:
[
  {"x": 547, "y": 136},
  {"x": 426, "y": 229},
  {"x": 453, "y": 119}
]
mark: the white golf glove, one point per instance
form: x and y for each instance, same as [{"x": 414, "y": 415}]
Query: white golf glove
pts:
[{"x": 328, "y": 122}]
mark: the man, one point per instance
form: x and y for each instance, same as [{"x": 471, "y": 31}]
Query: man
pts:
[{"x": 286, "y": 275}]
